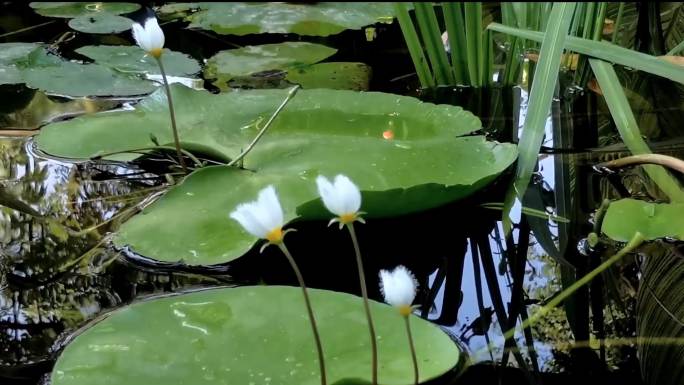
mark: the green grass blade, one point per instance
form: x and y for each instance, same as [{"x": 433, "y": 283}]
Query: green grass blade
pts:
[
  {"x": 628, "y": 128},
  {"x": 473, "y": 24},
  {"x": 606, "y": 51},
  {"x": 453, "y": 20},
  {"x": 600, "y": 21},
  {"x": 429, "y": 31},
  {"x": 541, "y": 96},
  {"x": 413, "y": 43},
  {"x": 676, "y": 50},
  {"x": 618, "y": 21}
]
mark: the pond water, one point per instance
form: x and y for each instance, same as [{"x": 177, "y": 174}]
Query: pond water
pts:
[{"x": 55, "y": 280}]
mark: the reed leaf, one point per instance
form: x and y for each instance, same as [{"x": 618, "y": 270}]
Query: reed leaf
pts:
[
  {"x": 413, "y": 44},
  {"x": 628, "y": 128},
  {"x": 455, "y": 26},
  {"x": 606, "y": 51},
  {"x": 432, "y": 38}
]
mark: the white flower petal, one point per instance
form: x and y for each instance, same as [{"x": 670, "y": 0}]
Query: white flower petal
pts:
[
  {"x": 398, "y": 287},
  {"x": 262, "y": 216},
  {"x": 351, "y": 196},
  {"x": 329, "y": 196},
  {"x": 244, "y": 215},
  {"x": 149, "y": 36}
]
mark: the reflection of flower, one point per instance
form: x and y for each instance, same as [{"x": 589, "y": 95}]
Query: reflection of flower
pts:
[
  {"x": 262, "y": 218},
  {"x": 398, "y": 287},
  {"x": 149, "y": 36},
  {"x": 341, "y": 198}
]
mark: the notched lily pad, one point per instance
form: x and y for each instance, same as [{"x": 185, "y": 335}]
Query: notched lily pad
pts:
[
  {"x": 135, "y": 60},
  {"x": 334, "y": 75},
  {"x": 653, "y": 220},
  {"x": 229, "y": 64},
  {"x": 319, "y": 19},
  {"x": 102, "y": 22},
  {"x": 75, "y": 9},
  {"x": 231, "y": 338}
]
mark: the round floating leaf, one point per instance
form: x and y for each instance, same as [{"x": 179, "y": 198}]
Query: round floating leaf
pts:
[
  {"x": 85, "y": 80},
  {"x": 134, "y": 59},
  {"x": 13, "y": 52},
  {"x": 319, "y": 19},
  {"x": 247, "y": 335},
  {"x": 102, "y": 22},
  {"x": 10, "y": 74},
  {"x": 653, "y": 220},
  {"x": 229, "y": 64},
  {"x": 337, "y": 76},
  {"x": 76, "y": 9}
]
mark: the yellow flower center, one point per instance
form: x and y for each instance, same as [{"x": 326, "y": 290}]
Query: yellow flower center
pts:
[
  {"x": 156, "y": 52},
  {"x": 405, "y": 310},
  {"x": 347, "y": 218},
  {"x": 275, "y": 235}
]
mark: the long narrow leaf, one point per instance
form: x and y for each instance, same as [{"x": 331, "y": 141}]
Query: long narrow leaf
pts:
[
  {"x": 541, "y": 96},
  {"x": 606, "y": 51},
  {"x": 414, "y": 46},
  {"x": 628, "y": 128},
  {"x": 473, "y": 23},
  {"x": 453, "y": 20},
  {"x": 429, "y": 31}
]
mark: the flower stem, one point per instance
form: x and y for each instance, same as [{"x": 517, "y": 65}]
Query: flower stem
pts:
[
  {"x": 319, "y": 347},
  {"x": 261, "y": 132},
  {"x": 364, "y": 293},
  {"x": 413, "y": 350},
  {"x": 176, "y": 140}
]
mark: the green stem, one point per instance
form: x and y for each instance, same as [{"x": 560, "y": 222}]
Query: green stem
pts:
[
  {"x": 261, "y": 133},
  {"x": 676, "y": 50},
  {"x": 317, "y": 337},
  {"x": 176, "y": 139},
  {"x": 364, "y": 293},
  {"x": 413, "y": 44},
  {"x": 618, "y": 20},
  {"x": 659, "y": 159},
  {"x": 413, "y": 350}
]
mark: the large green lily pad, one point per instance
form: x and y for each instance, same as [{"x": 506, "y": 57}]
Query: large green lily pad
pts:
[
  {"x": 229, "y": 64},
  {"x": 653, "y": 220},
  {"x": 424, "y": 165},
  {"x": 250, "y": 335},
  {"x": 11, "y": 53},
  {"x": 135, "y": 60},
  {"x": 319, "y": 19},
  {"x": 68, "y": 9}
]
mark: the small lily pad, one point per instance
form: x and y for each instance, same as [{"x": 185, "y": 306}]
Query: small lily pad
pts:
[
  {"x": 102, "y": 22},
  {"x": 251, "y": 334},
  {"x": 335, "y": 75},
  {"x": 75, "y": 9},
  {"x": 653, "y": 220},
  {"x": 233, "y": 63},
  {"x": 135, "y": 60}
]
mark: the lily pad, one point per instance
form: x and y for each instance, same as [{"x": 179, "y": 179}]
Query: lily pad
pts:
[
  {"x": 653, "y": 220},
  {"x": 405, "y": 156},
  {"x": 135, "y": 60},
  {"x": 249, "y": 334},
  {"x": 319, "y": 19},
  {"x": 335, "y": 75},
  {"x": 75, "y": 79},
  {"x": 11, "y": 53},
  {"x": 10, "y": 74},
  {"x": 229, "y": 64},
  {"x": 75, "y": 9},
  {"x": 100, "y": 23}
]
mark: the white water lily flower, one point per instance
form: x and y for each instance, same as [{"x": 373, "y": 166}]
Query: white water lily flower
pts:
[
  {"x": 262, "y": 218},
  {"x": 341, "y": 198},
  {"x": 398, "y": 287},
  {"x": 149, "y": 36}
]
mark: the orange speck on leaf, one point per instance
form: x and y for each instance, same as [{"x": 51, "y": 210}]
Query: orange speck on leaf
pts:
[{"x": 388, "y": 134}]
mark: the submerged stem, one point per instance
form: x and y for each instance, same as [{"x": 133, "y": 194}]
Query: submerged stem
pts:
[
  {"x": 319, "y": 347},
  {"x": 364, "y": 293},
  {"x": 413, "y": 350},
  {"x": 176, "y": 139}
]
